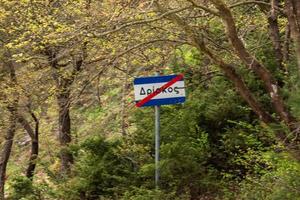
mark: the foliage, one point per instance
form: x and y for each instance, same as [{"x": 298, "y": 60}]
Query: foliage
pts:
[
  {"x": 24, "y": 189},
  {"x": 100, "y": 171},
  {"x": 282, "y": 182},
  {"x": 155, "y": 194},
  {"x": 214, "y": 146}
]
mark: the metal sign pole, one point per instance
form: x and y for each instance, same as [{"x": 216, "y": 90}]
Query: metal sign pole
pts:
[
  {"x": 157, "y": 141},
  {"x": 147, "y": 92}
]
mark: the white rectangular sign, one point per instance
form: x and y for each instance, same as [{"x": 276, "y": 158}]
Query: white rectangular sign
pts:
[{"x": 168, "y": 90}]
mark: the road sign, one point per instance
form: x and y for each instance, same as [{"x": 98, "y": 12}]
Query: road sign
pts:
[
  {"x": 159, "y": 90},
  {"x": 156, "y": 91}
]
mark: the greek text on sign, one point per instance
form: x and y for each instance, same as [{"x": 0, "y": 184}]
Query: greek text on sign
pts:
[{"x": 159, "y": 90}]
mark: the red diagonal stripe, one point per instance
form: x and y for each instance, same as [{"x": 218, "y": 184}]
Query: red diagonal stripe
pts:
[{"x": 165, "y": 86}]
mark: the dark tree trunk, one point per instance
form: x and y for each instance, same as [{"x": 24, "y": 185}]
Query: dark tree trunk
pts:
[
  {"x": 34, "y": 135},
  {"x": 275, "y": 34},
  {"x": 63, "y": 85},
  {"x": 34, "y": 149},
  {"x": 292, "y": 8},
  {"x": 33, "y": 158},
  {"x": 9, "y": 136},
  {"x": 64, "y": 129}
]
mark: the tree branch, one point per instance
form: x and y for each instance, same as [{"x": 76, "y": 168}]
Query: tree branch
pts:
[
  {"x": 249, "y": 2},
  {"x": 26, "y": 126},
  {"x": 211, "y": 11},
  {"x": 134, "y": 23}
]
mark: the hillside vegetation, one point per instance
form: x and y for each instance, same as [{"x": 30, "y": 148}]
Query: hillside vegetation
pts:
[{"x": 69, "y": 127}]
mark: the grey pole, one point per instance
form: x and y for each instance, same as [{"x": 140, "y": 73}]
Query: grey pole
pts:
[{"x": 157, "y": 142}]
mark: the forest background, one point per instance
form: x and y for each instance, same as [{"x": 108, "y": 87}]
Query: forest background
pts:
[{"x": 69, "y": 127}]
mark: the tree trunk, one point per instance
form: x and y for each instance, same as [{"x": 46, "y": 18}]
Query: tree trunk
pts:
[
  {"x": 275, "y": 34},
  {"x": 292, "y": 8},
  {"x": 268, "y": 80},
  {"x": 9, "y": 136},
  {"x": 63, "y": 85},
  {"x": 33, "y": 157},
  {"x": 34, "y": 149},
  {"x": 241, "y": 87},
  {"x": 63, "y": 99},
  {"x": 34, "y": 135}
]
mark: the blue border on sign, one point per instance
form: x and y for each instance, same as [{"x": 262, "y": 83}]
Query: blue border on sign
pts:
[
  {"x": 153, "y": 79},
  {"x": 167, "y": 101}
]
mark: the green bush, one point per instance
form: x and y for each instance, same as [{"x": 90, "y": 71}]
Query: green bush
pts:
[
  {"x": 100, "y": 171},
  {"x": 24, "y": 189},
  {"x": 146, "y": 194}
]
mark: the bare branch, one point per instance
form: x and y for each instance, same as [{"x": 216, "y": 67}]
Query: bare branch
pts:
[
  {"x": 134, "y": 23},
  {"x": 135, "y": 47},
  {"x": 249, "y": 2},
  {"x": 26, "y": 125},
  {"x": 110, "y": 62},
  {"x": 211, "y": 11},
  {"x": 260, "y": 3}
]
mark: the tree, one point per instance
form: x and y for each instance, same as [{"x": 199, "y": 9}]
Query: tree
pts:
[
  {"x": 34, "y": 136},
  {"x": 11, "y": 103},
  {"x": 233, "y": 44},
  {"x": 292, "y": 9}
]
